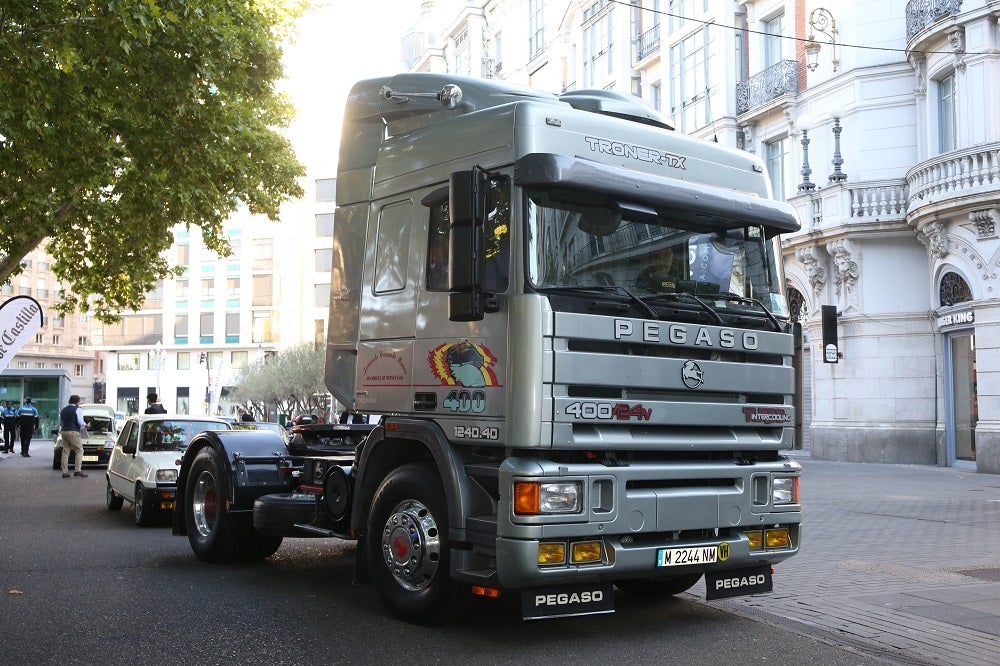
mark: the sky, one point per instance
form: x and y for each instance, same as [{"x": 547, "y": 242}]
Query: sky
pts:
[{"x": 337, "y": 44}]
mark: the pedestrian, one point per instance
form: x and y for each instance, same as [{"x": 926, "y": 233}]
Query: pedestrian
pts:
[
  {"x": 153, "y": 406},
  {"x": 353, "y": 416},
  {"x": 71, "y": 429},
  {"x": 247, "y": 417},
  {"x": 27, "y": 420},
  {"x": 9, "y": 426}
]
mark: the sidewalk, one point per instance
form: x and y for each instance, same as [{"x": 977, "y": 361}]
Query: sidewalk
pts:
[{"x": 899, "y": 560}]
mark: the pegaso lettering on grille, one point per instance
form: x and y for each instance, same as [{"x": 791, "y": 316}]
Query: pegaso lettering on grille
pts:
[{"x": 678, "y": 334}]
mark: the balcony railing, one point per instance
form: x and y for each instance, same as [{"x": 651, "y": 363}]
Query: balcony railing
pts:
[
  {"x": 878, "y": 199},
  {"x": 962, "y": 173},
  {"x": 647, "y": 43},
  {"x": 922, "y": 13},
  {"x": 779, "y": 79}
]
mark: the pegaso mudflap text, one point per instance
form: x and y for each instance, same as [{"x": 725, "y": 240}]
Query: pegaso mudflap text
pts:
[{"x": 565, "y": 600}]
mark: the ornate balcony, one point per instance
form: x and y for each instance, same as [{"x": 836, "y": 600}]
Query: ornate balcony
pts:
[
  {"x": 958, "y": 179},
  {"x": 647, "y": 43},
  {"x": 922, "y": 13},
  {"x": 777, "y": 80}
]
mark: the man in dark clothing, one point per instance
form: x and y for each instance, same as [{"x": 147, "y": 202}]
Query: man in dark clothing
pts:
[
  {"x": 9, "y": 426},
  {"x": 154, "y": 407},
  {"x": 71, "y": 427},
  {"x": 27, "y": 420}
]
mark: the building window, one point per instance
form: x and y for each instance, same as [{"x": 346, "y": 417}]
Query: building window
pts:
[
  {"x": 207, "y": 336},
  {"x": 776, "y": 157},
  {"x": 689, "y": 81},
  {"x": 183, "y": 360},
  {"x": 326, "y": 189},
  {"x": 655, "y": 96},
  {"x": 322, "y": 295},
  {"x": 262, "y": 289},
  {"x": 78, "y": 370},
  {"x": 947, "y": 125},
  {"x": 263, "y": 254},
  {"x": 214, "y": 360},
  {"x": 324, "y": 260},
  {"x": 208, "y": 287},
  {"x": 232, "y": 327},
  {"x": 183, "y": 399},
  {"x": 772, "y": 30},
  {"x": 319, "y": 333},
  {"x": 953, "y": 290},
  {"x": 128, "y": 361},
  {"x": 597, "y": 44},
  {"x": 264, "y": 326},
  {"x": 679, "y": 10},
  {"x": 56, "y": 340},
  {"x": 181, "y": 329},
  {"x": 233, "y": 286},
  {"x": 39, "y": 338},
  {"x": 83, "y": 340},
  {"x": 463, "y": 61},
  {"x": 536, "y": 28},
  {"x": 324, "y": 225},
  {"x": 183, "y": 255},
  {"x": 239, "y": 360}
]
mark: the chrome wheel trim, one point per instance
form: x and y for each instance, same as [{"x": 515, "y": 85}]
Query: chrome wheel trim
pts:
[
  {"x": 411, "y": 545},
  {"x": 205, "y": 504}
]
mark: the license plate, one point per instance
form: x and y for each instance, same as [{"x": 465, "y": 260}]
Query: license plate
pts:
[
  {"x": 566, "y": 600},
  {"x": 737, "y": 582},
  {"x": 90, "y": 458},
  {"x": 679, "y": 557}
]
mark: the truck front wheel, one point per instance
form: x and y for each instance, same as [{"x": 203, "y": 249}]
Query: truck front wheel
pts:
[{"x": 407, "y": 547}]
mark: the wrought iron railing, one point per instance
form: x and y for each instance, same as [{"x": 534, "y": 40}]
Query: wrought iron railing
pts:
[
  {"x": 647, "y": 43},
  {"x": 779, "y": 79},
  {"x": 922, "y": 13}
]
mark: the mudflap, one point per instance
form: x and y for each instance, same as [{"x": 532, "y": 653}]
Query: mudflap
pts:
[
  {"x": 543, "y": 603},
  {"x": 737, "y": 582}
]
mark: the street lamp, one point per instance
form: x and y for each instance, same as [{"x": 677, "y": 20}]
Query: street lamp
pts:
[
  {"x": 805, "y": 124},
  {"x": 158, "y": 354},
  {"x": 838, "y": 176},
  {"x": 822, "y": 21}
]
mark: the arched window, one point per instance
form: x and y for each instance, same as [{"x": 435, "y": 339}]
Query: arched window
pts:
[
  {"x": 953, "y": 290},
  {"x": 797, "y": 305}
]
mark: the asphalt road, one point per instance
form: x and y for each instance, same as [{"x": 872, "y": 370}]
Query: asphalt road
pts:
[{"x": 84, "y": 585}]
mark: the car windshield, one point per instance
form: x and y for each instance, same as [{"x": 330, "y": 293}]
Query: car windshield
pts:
[
  {"x": 573, "y": 245},
  {"x": 173, "y": 434},
  {"x": 98, "y": 425}
]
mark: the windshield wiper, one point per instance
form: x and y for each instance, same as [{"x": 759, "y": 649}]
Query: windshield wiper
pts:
[
  {"x": 613, "y": 288},
  {"x": 681, "y": 295},
  {"x": 747, "y": 300}
]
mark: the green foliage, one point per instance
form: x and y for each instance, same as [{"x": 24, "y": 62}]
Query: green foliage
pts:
[
  {"x": 291, "y": 379},
  {"x": 120, "y": 119}
]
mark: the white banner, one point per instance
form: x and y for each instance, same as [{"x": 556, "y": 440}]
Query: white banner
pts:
[{"x": 20, "y": 319}]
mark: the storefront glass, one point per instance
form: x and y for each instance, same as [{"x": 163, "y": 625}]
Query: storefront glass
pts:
[{"x": 964, "y": 407}]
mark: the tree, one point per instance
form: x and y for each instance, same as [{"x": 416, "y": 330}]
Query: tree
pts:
[
  {"x": 120, "y": 119},
  {"x": 292, "y": 379}
]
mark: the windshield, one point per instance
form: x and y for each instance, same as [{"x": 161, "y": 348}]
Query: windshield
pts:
[{"x": 574, "y": 245}]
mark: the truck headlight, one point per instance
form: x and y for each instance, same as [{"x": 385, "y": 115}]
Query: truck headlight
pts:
[
  {"x": 785, "y": 490},
  {"x": 166, "y": 475},
  {"x": 534, "y": 498}
]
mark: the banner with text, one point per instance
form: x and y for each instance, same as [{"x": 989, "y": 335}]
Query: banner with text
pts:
[{"x": 20, "y": 319}]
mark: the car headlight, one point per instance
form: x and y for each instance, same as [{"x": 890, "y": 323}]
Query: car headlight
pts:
[
  {"x": 785, "y": 490},
  {"x": 166, "y": 475},
  {"x": 533, "y": 497}
]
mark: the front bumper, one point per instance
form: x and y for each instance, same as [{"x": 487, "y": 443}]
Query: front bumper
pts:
[{"x": 160, "y": 498}]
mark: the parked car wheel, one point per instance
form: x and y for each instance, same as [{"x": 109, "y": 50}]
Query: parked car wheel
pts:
[
  {"x": 143, "y": 512},
  {"x": 215, "y": 535},
  {"x": 113, "y": 499},
  {"x": 408, "y": 550}
]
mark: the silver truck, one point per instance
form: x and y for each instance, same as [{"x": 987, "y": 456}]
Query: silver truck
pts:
[{"x": 573, "y": 321}]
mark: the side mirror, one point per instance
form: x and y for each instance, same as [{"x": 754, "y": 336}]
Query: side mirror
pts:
[{"x": 466, "y": 256}]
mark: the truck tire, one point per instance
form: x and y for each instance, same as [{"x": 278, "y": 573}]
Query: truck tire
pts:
[
  {"x": 653, "y": 589},
  {"x": 408, "y": 550},
  {"x": 276, "y": 514},
  {"x": 214, "y": 534}
]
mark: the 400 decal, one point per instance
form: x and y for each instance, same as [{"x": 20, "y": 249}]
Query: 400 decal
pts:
[
  {"x": 607, "y": 411},
  {"x": 465, "y": 402}
]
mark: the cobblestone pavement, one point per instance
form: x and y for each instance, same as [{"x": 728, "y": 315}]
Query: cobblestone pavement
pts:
[{"x": 899, "y": 560}]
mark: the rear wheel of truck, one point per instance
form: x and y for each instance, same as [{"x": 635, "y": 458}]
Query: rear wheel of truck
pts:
[
  {"x": 407, "y": 547},
  {"x": 215, "y": 535},
  {"x": 651, "y": 589}
]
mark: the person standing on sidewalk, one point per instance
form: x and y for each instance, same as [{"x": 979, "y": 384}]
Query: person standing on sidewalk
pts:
[
  {"x": 153, "y": 405},
  {"x": 71, "y": 425},
  {"x": 9, "y": 415},
  {"x": 27, "y": 419}
]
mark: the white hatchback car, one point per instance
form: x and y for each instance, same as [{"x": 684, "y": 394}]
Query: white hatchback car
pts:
[{"x": 144, "y": 463}]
